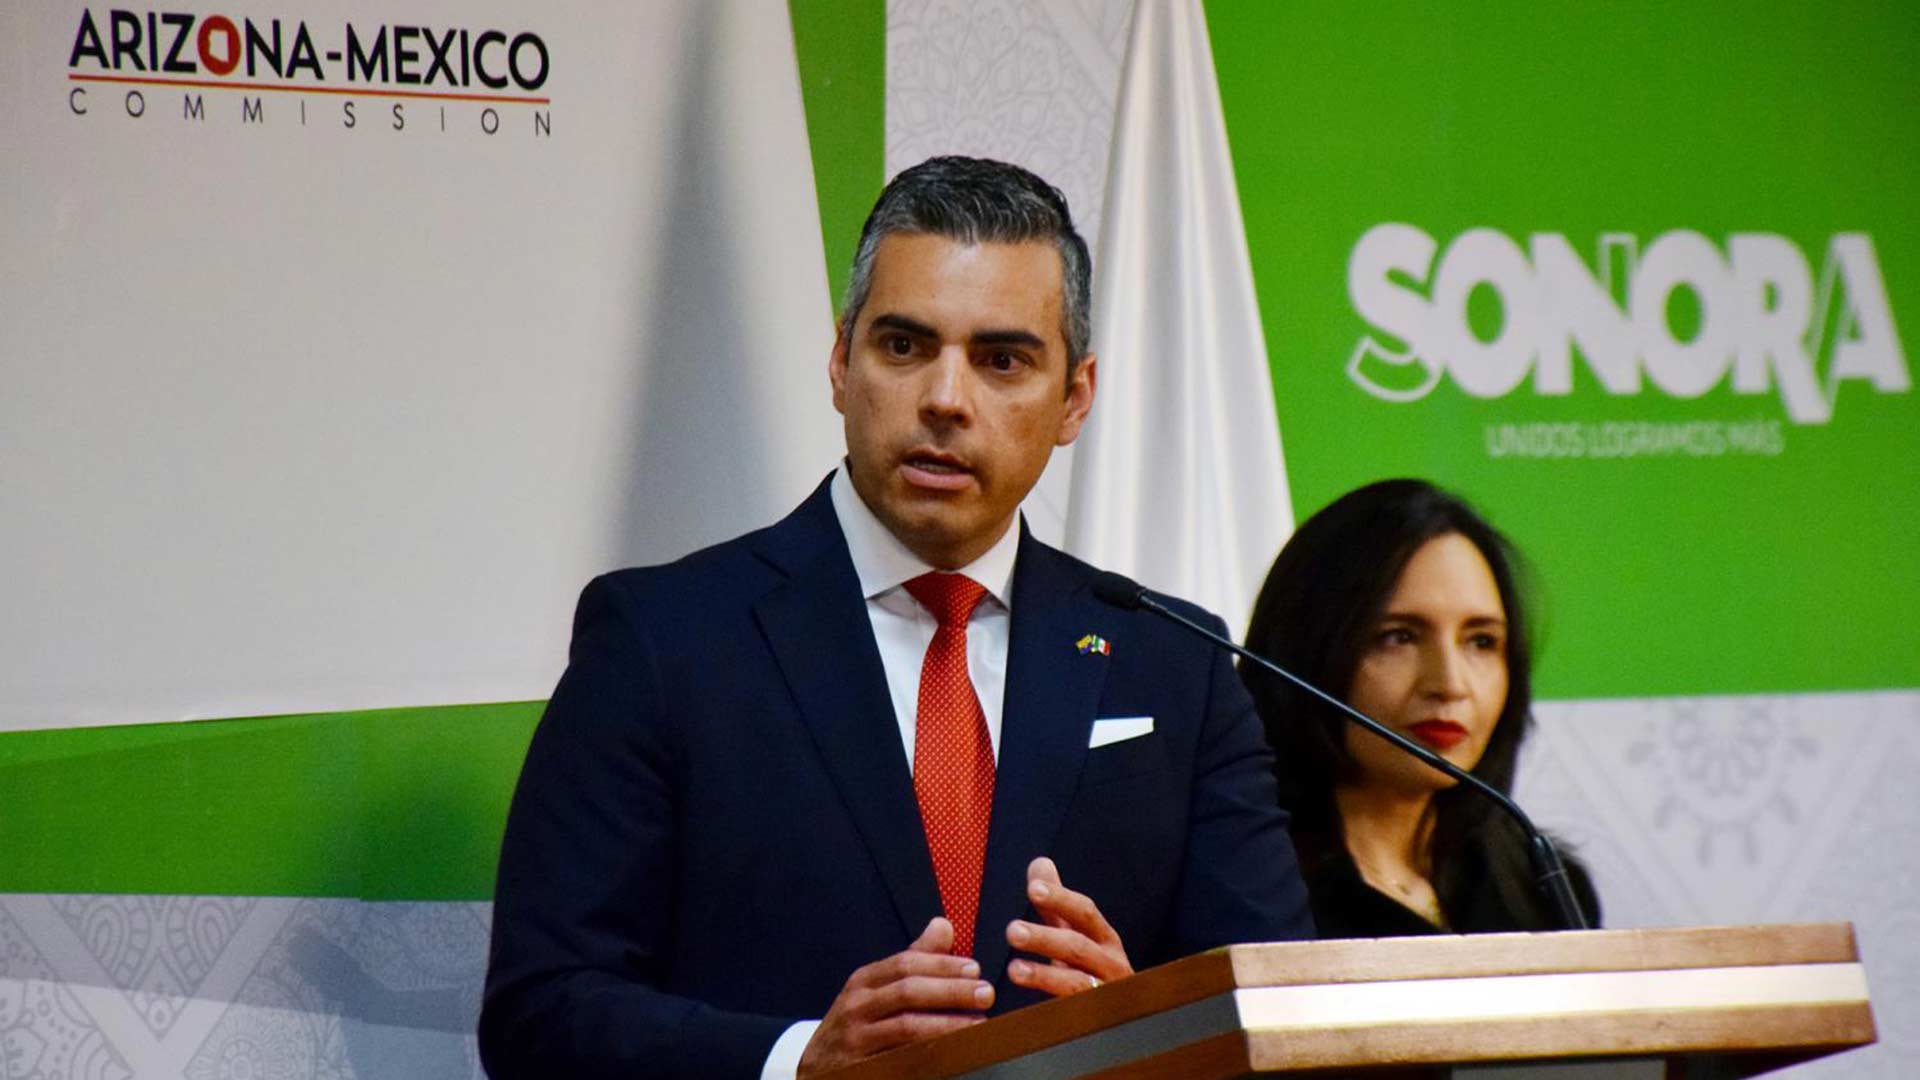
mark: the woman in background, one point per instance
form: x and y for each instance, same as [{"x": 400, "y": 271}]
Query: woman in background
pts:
[{"x": 1401, "y": 598}]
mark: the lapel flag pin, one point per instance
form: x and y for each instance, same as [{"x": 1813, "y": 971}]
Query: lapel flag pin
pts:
[{"x": 1093, "y": 643}]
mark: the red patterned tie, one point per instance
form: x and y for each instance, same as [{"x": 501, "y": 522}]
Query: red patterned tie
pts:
[{"x": 952, "y": 754}]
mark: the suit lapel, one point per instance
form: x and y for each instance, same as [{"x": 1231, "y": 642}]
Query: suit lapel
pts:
[
  {"x": 818, "y": 628},
  {"x": 1052, "y": 692}
]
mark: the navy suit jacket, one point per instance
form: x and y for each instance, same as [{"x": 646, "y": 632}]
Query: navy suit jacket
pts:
[{"x": 716, "y": 821}]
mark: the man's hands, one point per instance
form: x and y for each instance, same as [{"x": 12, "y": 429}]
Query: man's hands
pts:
[
  {"x": 912, "y": 995},
  {"x": 1083, "y": 947},
  {"x": 926, "y": 991}
]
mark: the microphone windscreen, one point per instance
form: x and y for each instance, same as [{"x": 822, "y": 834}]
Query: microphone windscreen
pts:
[{"x": 1118, "y": 589}]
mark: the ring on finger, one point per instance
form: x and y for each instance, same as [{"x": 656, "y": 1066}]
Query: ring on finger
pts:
[{"x": 1093, "y": 982}]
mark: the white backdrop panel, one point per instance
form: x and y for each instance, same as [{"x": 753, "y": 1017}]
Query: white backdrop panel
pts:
[{"x": 302, "y": 417}]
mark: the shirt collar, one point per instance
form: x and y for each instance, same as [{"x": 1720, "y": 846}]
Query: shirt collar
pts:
[{"x": 883, "y": 563}]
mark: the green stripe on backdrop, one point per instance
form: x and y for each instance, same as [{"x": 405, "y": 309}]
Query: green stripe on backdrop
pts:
[
  {"x": 397, "y": 804},
  {"x": 842, "y": 51}
]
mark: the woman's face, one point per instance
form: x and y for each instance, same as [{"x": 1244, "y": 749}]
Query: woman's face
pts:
[{"x": 1433, "y": 667}]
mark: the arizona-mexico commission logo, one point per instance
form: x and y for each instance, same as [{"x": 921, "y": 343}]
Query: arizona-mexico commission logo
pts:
[{"x": 400, "y": 77}]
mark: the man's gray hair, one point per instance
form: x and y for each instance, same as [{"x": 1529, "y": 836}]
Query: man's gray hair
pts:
[{"x": 975, "y": 200}]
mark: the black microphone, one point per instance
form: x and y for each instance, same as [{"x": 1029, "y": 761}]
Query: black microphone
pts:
[{"x": 1550, "y": 873}]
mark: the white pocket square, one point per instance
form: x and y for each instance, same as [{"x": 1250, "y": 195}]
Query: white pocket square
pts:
[{"x": 1119, "y": 729}]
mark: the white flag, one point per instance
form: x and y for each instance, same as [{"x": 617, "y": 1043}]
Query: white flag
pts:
[{"x": 1177, "y": 479}]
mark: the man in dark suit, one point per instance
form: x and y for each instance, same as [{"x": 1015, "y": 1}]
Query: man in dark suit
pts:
[{"x": 887, "y": 766}]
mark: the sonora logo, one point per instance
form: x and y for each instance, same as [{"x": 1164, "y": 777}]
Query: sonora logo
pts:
[{"x": 1760, "y": 316}]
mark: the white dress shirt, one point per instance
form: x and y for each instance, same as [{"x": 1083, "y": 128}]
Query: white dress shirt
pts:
[{"x": 903, "y": 629}]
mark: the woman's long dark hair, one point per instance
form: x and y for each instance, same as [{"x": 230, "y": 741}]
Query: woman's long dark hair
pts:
[{"x": 1326, "y": 591}]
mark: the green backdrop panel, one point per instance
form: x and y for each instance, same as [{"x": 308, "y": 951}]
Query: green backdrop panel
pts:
[
  {"x": 404, "y": 804},
  {"x": 1719, "y": 482},
  {"x": 842, "y": 48}
]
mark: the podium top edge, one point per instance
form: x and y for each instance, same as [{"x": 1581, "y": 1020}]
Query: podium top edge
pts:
[
  {"x": 1298, "y": 963},
  {"x": 1303, "y": 963}
]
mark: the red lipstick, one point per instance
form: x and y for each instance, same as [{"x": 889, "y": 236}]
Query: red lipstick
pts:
[{"x": 1439, "y": 734}]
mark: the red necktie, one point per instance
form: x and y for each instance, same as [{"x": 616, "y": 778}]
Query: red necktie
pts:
[{"x": 952, "y": 754}]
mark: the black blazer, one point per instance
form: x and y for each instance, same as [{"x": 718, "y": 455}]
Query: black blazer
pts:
[
  {"x": 1486, "y": 898},
  {"x": 716, "y": 821}
]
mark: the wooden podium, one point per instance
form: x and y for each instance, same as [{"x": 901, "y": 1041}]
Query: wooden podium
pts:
[{"x": 1710, "y": 1002}]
